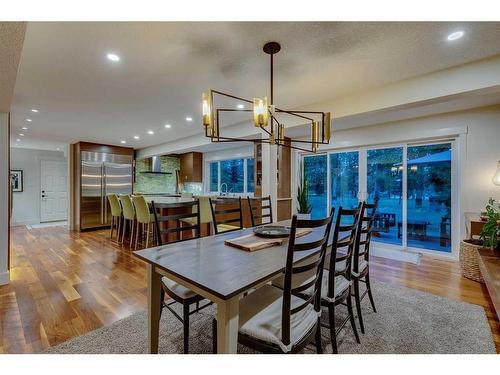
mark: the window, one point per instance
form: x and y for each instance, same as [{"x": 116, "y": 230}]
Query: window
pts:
[
  {"x": 315, "y": 175},
  {"x": 232, "y": 176}
]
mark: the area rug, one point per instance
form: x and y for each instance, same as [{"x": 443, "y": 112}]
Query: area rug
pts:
[{"x": 407, "y": 321}]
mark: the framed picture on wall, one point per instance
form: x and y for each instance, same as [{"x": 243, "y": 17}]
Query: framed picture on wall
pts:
[{"x": 16, "y": 180}]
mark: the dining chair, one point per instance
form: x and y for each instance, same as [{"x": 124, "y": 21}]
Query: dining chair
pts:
[
  {"x": 225, "y": 213},
  {"x": 177, "y": 292},
  {"x": 274, "y": 320},
  {"x": 360, "y": 268},
  {"x": 336, "y": 283},
  {"x": 116, "y": 215},
  {"x": 128, "y": 217},
  {"x": 257, "y": 206},
  {"x": 144, "y": 221}
]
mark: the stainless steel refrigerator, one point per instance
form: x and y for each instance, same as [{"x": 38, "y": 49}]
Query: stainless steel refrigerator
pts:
[{"x": 102, "y": 174}]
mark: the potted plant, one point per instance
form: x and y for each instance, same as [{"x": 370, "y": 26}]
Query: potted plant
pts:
[
  {"x": 304, "y": 208},
  {"x": 489, "y": 238}
]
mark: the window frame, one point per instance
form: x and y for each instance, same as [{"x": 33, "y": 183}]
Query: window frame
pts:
[{"x": 245, "y": 159}]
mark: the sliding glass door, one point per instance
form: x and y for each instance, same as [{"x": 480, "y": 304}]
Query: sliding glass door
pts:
[
  {"x": 411, "y": 184},
  {"x": 384, "y": 182},
  {"x": 315, "y": 173},
  {"x": 429, "y": 197},
  {"x": 344, "y": 179}
]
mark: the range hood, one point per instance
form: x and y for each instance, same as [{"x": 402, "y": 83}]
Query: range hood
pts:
[{"x": 155, "y": 166}]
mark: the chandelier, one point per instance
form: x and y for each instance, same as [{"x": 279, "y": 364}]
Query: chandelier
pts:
[{"x": 266, "y": 116}]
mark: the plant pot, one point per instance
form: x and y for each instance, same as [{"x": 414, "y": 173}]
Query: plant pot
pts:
[
  {"x": 469, "y": 261},
  {"x": 304, "y": 216}
]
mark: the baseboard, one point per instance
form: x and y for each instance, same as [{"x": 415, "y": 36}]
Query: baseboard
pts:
[
  {"x": 4, "y": 278},
  {"x": 401, "y": 255},
  {"x": 24, "y": 223}
]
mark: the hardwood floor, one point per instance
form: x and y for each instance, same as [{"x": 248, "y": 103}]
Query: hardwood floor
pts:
[{"x": 65, "y": 284}]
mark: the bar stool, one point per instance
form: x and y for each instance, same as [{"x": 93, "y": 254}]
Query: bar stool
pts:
[
  {"x": 144, "y": 219},
  {"x": 128, "y": 217},
  {"x": 205, "y": 213},
  {"x": 116, "y": 215}
]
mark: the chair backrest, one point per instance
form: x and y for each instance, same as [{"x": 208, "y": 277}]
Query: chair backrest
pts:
[
  {"x": 205, "y": 211},
  {"x": 127, "y": 206},
  {"x": 261, "y": 211},
  {"x": 141, "y": 209},
  {"x": 342, "y": 248},
  {"x": 313, "y": 268},
  {"x": 165, "y": 230},
  {"x": 116, "y": 208},
  {"x": 363, "y": 234},
  {"x": 226, "y": 211}
]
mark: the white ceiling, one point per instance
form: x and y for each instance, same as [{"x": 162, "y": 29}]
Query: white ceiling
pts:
[{"x": 164, "y": 68}]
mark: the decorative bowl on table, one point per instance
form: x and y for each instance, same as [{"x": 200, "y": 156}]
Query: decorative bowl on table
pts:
[{"x": 272, "y": 231}]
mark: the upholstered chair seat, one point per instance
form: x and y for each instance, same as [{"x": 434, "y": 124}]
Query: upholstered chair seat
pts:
[
  {"x": 178, "y": 289},
  {"x": 260, "y": 317}
]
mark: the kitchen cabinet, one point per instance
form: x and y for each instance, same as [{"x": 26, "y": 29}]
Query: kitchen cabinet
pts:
[{"x": 191, "y": 167}]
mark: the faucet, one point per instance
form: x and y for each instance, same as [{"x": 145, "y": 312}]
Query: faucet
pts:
[{"x": 223, "y": 192}]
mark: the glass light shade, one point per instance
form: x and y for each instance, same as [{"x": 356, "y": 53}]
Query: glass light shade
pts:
[
  {"x": 260, "y": 112},
  {"x": 315, "y": 135},
  {"x": 496, "y": 177},
  {"x": 327, "y": 126},
  {"x": 281, "y": 132},
  {"x": 207, "y": 110}
]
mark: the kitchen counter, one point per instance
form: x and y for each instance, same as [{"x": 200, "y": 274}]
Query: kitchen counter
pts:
[{"x": 166, "y": 199}]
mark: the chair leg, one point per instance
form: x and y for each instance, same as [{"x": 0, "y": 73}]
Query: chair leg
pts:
[
  {"x": 351, "y": 317},
  {"x": 119, "y": 228},
  {"x": 147, "y": 235},
  {"x": 136, "y": 235},
  {"x": 112, "y": 222},
  {"x": 185, "y": 319},
  {"x": 319, "y": 348},
  {"x": 214, "y": 336},
  {"x": 333, "y": 334},
  {"x": 369, "y": 288},
  {"x": 357, "y": 298},
  {"x": 124, "y": 229}
]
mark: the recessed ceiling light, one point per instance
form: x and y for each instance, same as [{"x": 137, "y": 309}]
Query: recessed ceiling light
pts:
[
  {"x": 24, "y": 128},
  {"x": 18, "y": 140},
  {"x": 58, "y": 149},
  {"x": 136, "y": 137},
  {"x": 168, "y": 126},
  {"x": 34, "y": 110},
  {"x": 150, "y": 132},
  {"x": 123, "y": 142},
  {"x": 21, "y": 134},
  {"x": 456, "y": 35},
  {"x": 240, "y": 106},
  {"x": 29, "y": 120},
  {"x": 189, "y": 119},
  {"x": 113, "y": 57}
]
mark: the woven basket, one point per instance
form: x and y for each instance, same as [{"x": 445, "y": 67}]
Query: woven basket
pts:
[{"x": 469, "y": 264}]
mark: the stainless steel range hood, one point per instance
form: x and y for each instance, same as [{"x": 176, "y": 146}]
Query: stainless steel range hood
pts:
[{"x": 155, "y": 166}]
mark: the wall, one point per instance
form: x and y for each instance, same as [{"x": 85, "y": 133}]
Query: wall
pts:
[
  {"x": 4, "y": 198},
  {"x": 156, "y": 183},
  {"x": 26, "y": 204}
]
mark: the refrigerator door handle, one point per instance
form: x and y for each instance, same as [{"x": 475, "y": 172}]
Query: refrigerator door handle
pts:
[
  {"x": 105, "y": 194},
  {"x": 102, "y": 194}
]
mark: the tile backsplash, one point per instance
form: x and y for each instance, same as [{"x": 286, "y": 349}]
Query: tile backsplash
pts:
[{"x": 150, "y": 183}]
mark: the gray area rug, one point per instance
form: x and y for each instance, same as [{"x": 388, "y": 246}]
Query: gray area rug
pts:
[{"x": 407, "y": 321}]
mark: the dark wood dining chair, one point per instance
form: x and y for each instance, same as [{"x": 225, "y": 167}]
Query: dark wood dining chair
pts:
[
  {"x": 337, "y": 286},
  {"x": 261, "y": 211},
  {"x": 226, "y": 214},
  {"x": 360, "y": 268},
  {"x": 165, "y": 226},
  {"x": 274, "y": 320}
]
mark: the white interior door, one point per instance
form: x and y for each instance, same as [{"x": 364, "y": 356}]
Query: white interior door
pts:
[{"x": 54, "y": 191}]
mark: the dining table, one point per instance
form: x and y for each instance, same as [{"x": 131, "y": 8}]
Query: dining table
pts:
[{"x": 218, "y": 272}]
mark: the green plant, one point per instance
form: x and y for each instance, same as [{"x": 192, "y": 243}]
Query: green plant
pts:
[
  {"x": 302, "y": 198},
  {"x": 491, "y": 229}
]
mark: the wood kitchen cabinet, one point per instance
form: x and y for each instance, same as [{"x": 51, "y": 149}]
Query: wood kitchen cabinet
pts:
[{"x": 191, "y": 167}]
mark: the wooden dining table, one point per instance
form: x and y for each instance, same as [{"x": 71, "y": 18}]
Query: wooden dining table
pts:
[{"x": 216, "y": 271}]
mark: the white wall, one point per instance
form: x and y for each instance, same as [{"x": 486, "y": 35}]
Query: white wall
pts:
[
  {"x": 4, "y": 197},
  {"x": 26, "y": 204}
]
